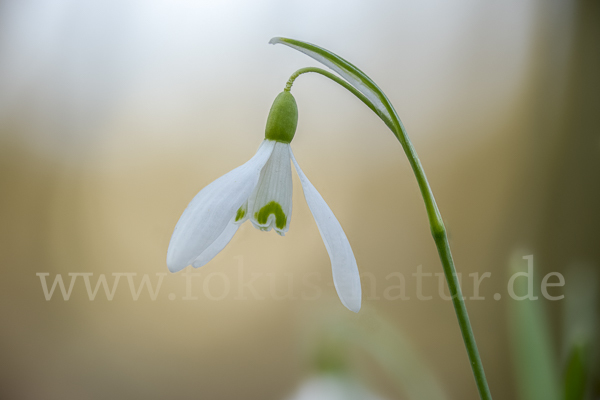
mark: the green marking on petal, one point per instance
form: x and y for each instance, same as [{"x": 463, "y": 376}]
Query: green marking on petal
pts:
[
  {"x": 271, "y": 208},
  {"x": 241, "y": 213}
]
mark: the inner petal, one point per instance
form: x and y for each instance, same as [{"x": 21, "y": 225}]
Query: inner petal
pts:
[
  {"x": 270, "y": 205},
  {"x": 273, "y": 209}
]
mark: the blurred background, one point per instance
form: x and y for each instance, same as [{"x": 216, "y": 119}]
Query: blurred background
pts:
[{"x": 114, "y": 114}]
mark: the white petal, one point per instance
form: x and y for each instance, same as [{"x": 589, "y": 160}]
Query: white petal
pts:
[
  {"x": 209, "y": 212},
  {"x": 270, "y": 205},
  {"x": 343, "y": 264},
  {"x": 216, "y": 246},
  {"x": 332, "y": 387}
]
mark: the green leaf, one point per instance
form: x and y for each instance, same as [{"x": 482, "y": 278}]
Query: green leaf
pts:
[
  {"x": 350, "y": 73},
  {"x": 535, "y": 363},
  {"x": 580, "y": 328},
  {"x": 576, "y": 374},
  {"x": 580, "y": 306}
]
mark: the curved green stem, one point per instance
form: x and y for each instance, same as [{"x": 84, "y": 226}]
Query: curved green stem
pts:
[
  {"x": 345, "y": 84},
  {"x": 438, "y": 230}
]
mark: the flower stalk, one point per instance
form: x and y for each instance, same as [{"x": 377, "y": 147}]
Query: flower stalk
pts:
[{"x": 370, "y": 94}]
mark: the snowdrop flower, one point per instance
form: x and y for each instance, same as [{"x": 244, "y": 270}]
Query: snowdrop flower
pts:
[
  {"x": 332, "y": 387},
  {"x": 261, "y": 191}
]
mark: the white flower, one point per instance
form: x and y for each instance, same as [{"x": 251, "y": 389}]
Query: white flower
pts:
[
  {"x": 261, "y": 190},
  {"x": 332, "y": 387}
]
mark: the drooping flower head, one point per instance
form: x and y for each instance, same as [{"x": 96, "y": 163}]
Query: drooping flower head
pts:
[{"x": 261, "y": 191}]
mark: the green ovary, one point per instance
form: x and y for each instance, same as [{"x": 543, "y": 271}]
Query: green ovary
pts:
[{"x": 271, "y": 208}]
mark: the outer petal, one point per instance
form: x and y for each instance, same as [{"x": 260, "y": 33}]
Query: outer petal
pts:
[
  {"x": 209, "y": 212},
  {"x": 216, "y": 246},
  {"x": 343, "y": 264}
]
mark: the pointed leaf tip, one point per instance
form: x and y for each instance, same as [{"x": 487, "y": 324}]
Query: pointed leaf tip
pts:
[{"x": 348, "y": 71}]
